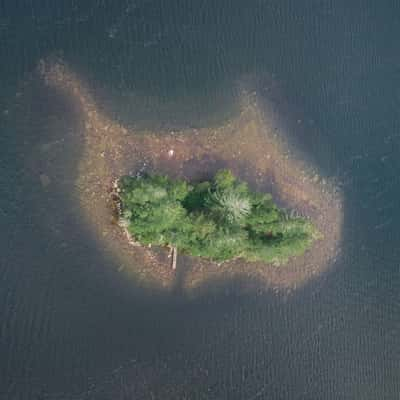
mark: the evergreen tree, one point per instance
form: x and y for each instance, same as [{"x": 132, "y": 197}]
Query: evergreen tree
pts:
[{"x": 219, "y": 220}]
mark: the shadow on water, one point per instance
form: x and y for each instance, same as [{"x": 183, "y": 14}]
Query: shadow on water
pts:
[{"x": 73, "y": 325}]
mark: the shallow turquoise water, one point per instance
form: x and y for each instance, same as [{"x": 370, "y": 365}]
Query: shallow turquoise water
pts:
[{"x": 73, "y": 327}]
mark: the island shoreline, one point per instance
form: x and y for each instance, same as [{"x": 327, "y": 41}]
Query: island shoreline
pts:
[{"x": 248, "y": 144}]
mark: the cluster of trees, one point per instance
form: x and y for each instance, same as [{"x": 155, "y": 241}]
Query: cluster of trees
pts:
[{"x": 220, "y": 219}]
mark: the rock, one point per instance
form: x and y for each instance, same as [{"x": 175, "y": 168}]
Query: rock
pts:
[
  {"x": 44, "y": 180},
  {"x": 45, "y": 147}
]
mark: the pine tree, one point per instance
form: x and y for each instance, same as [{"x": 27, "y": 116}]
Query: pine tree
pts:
[{"x": 220, "y": 219}]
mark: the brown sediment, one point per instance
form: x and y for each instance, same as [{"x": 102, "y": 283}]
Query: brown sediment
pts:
[{"x": 247, "y": 144}]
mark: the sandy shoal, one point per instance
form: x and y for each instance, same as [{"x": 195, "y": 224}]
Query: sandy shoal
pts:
[{"x": 248, "y": 144}]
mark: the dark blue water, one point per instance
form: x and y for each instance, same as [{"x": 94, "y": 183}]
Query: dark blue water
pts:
[{"x": 71, "y": 327}]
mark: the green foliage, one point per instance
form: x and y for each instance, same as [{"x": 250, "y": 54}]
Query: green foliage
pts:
[{"x": 218, "y": 220}]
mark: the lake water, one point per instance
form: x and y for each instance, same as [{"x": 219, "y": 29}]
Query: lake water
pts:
[{"x": 73, "y": 327}]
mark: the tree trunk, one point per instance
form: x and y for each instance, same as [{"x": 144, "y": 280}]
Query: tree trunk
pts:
[{"x": 174, "y": 257}]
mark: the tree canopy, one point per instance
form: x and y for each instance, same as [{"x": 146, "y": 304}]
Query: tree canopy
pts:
[{"x": 219, "y": 219}]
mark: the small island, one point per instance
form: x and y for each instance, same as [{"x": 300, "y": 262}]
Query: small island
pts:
[
  {"x": 218, "y": 220},
  {"x": 254, "y": 144}
]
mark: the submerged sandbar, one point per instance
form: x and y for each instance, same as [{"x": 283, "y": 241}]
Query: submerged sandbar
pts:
[{"x": 247, "y": 144}]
